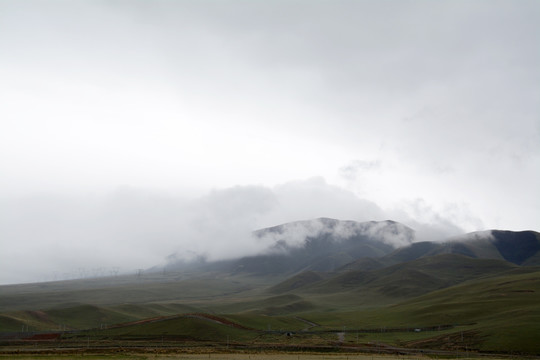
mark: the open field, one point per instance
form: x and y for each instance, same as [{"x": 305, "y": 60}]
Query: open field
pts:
[
  {"x": 494, "y": 313},
  {"x": 233, "y": 356}
]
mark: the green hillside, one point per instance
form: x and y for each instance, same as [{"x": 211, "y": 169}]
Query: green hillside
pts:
[
  {"x": 403, "y": 280},
  {"x": 448, "y": 301},
  {"x": 156, "y": 288},
  {"x": 498, "y": 313},
  {"x": 298, "y": 281},
  {"x": 503, "y": 310},
  {"x": 183, "y": 327}
]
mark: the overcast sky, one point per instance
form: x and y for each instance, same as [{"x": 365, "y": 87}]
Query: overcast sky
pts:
[{"x": 131, "y": 130}]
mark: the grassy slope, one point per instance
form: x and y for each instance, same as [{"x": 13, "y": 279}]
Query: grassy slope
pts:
[
  {"x": 92, "y": 303},
  {"x": 297, "y": 281},
  {"x": 180, "y": 328},
  {"x": 352, "y": 290},
  {"x": 416, "y": 277},
  {"x": 502, "y": 312},
  {"x": 505, "y": 309},
  {"x": 499, "y": 311},
  {"x": 106, "y": 292},
  {"x": 265, "y": 322}
]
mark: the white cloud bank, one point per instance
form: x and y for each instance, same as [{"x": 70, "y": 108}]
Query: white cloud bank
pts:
[
  {"x": 419, "y": 111},
  {"x": 58, "y": 236}
]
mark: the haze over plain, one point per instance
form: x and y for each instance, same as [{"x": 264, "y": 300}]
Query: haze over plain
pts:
[{"x": 132, "y": 130}]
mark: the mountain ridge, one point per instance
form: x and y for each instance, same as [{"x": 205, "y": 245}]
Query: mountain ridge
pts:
[
  {"x": 477, "y": 291},
  {"x": 517, "y": 247},
  {"x": 321, "y": 244},
  {"x": 326, "y": 244}
]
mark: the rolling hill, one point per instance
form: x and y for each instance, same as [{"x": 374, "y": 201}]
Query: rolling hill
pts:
[
  {"x": 476, "y": 292},
  {"x": 398, "y": 281}
]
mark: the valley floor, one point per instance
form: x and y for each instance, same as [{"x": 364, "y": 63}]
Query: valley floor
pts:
[{"x": 232, "y": 356}]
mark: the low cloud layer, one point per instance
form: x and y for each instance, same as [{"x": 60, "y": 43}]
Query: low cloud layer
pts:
[
  {"x": 53, "y": 237},
  {"x": 424, "y": 112}
]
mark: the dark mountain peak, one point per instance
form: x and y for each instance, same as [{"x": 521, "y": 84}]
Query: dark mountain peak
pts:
[
  {"x": 516, "y": 247},
  {"x": 521, "y": 248}
]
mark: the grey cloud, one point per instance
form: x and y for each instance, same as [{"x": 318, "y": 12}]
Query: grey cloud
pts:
[
  {"x": 314, "y": 198},
  {"x": 43, "y": 236},
  {"x": 433, "y": 225},
  {"x": 355, "y": 168},
  {"x": 393, "y": 234},
  {"x": 485, "y": 235},
  {"x": 436, "y": 100}
]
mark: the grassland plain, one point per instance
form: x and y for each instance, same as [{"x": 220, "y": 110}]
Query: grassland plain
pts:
[
  {"x": 233, "y": 356},
  {"x": 491, "y": 314},
  {"x": 498, "y": 311}
]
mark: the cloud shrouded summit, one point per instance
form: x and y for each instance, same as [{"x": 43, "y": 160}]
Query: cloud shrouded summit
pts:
[{"x": 130, "y": 228}]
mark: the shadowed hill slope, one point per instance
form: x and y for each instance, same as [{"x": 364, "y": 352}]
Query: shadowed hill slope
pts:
[
  {"x": 520, "y": 248},
  {"x": 402, "y": 280}
]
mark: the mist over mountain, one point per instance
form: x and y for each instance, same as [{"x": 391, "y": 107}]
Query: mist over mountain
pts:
[
  {"x": 294, "y": 234},
  {"x": 315, "y": 269},
  {"x": 321, "y": 244},
  {"x": 79, "y": 235},
  {"x": 326, "y": 245},
  {"x": 327, "y": 162}
]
